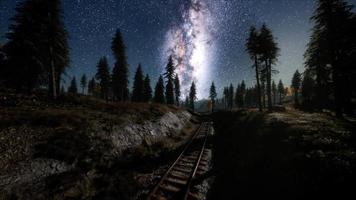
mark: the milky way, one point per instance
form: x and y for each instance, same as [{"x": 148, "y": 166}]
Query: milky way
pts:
[
  {"x": 206, "y": 37},
  {"x": 191, "y": 46}
]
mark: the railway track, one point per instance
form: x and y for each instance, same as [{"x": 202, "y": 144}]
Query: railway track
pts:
[{"x": 178, "y": 181}]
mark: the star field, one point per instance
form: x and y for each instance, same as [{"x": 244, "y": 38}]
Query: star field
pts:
[{"x": 91, "y": 25}]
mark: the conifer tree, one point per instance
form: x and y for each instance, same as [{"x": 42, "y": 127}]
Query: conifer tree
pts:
[
  {"x": 331, "y": 52},
  {"x": 177, "y": 89},
  {"x": 192, "y": 96},
  {"x": 147, "y": 90},
  {"x": 253, "y": 48},
  {"x": 83, "y": 83},
  {"x": 103, "y": 76},
  {"x": 91, "y": 86},
  {"x": 120, "y": 71},
  {"x": 296, "y": 81},
  {"x": 169, "y": 76},
  {"x": 73, "y": 89},
  {"x": 237, "y": 100},
  {"x": 243, "y": 93},
  {"x": 159, "y": 91},
  {"x": 281, "y": 91},
  {"x": 138, "y": 87},
  {"x": 269, "y": 53},
  {"x": 226, "y": 97},
  {"x": 37, "y": 47},
  {"x": 307, "y": 90},
  {"x": 213, "y": 95},
  {"x": 231, "y": 96},
  {"x": 274, "y": 92}
]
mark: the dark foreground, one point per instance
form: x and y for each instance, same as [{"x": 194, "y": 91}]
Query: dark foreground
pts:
[{"x": 263, "y": 156}]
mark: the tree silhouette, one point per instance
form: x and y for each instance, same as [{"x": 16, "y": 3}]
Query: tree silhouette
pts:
[
  {"x": 307, "y": 90},
  {"x": 91, "y": 86},
  {"x": 269, "y": 53},
  {"x": 83, "y": 83},
  {"x": 296, "y": 81},
  {"x": 73, "y": 89},
  {"x": 240, "y": 95},
  {"x": 213, "y": 95},
  {"x": 159, "y": 91},
  {"x": 169, "y": 76},
  {"x": 253, "y": 48},
  {"x": 177, "y": 89},
  {"x": 137, "y": 91},
  {"x": 281, "y": 91},
  {"x": 331, "y": 52},
  {"x": 274, "y": 92},
  {"x": 147, "y": 90},
  {"x": 37, "y": 47},
  {"x": 192, "y": 96},
  {"x": 120, "y": 71},
  {"x": 103, "y": 76}
]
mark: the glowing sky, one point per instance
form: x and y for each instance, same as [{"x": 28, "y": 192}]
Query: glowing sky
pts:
[{"x": 206, "y": 37}]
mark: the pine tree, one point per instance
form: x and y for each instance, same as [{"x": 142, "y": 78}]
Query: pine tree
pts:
[
  {"x": 226, "y": 97},
  {"x": 281, "y": 91},
  {"x": 243, "y": 93},
  {"x": 240, "y": 95},
  {"x": 37, "y": 47},
  {"x": 231, "y": 96},
  {"x": 83, "y": 83},
  {"x": 213, "y": 95},
  {"x": 269, "y": 53},
  {"x": 274, "y": 92},
  {"x": 120, "y": 71},
  {"x": 159, "y": 91},
  {"x": 253, "y": 48},
  {"x": 192, "y": 96},
  {"x": 73, "y": 89},
  {"x": 177, "y": 89},
  {"x": 91, "y": 86},
  {"x": 137, "y": 91},
  {"x": 296, "y": 81},
  {"x": 147, "y": 90},
  {"x": 103, "y": 76},
  {"x": 332, "y": 46},
  {"x": 307, "y": 90},
  {"x": 169, "y": 76}
]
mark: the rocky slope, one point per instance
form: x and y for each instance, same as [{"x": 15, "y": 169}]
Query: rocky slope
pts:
[{"x": 69, "y": 150}]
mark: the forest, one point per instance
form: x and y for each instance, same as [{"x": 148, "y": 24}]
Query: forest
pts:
[{"x": 105, "y": 136}]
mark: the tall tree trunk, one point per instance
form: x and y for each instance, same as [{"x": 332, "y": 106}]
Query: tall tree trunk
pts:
[
  {"x": 52, "y": 81},
  {"x": 258, "y": 84},
  {"x": 269, "y": 77},
  {"x": 264, "y": 94}
]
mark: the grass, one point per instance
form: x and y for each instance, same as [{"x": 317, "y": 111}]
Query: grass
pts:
[{"x": 256, "y": 157}]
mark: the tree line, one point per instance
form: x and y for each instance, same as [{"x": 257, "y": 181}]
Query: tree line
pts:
[
  {"x": 245, "y": 97},
  {"x": 328, "y": 81},
  {"x": 36, "y": 56},
  {"x": 329, "y": 77}
]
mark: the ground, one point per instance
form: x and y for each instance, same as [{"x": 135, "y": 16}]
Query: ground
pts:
[
  {"x": 68, "y": 150},
  {"x": 290, "y": 154}
]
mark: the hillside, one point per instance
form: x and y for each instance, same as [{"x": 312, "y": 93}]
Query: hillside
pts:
[
  {"x": 288, "y": 154},
  {"x": 83, "y": 147}
]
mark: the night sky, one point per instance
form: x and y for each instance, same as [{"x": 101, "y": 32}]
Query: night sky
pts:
[{"x": 206, "y": 37}]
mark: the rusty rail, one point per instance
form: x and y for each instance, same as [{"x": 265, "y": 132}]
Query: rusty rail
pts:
[{"x": 177, "y": 182}]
